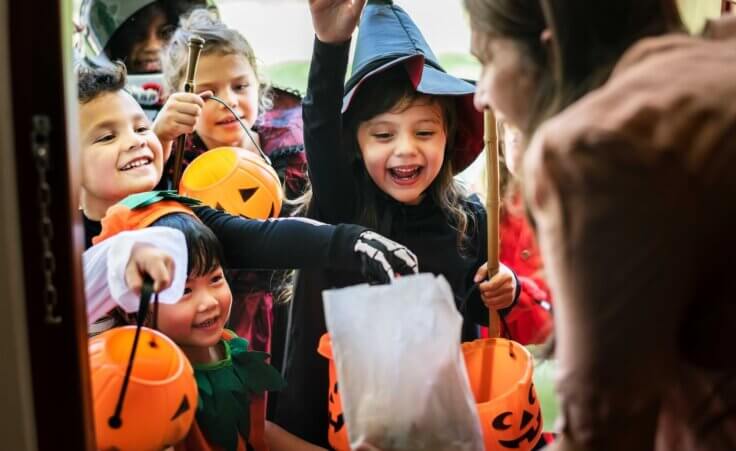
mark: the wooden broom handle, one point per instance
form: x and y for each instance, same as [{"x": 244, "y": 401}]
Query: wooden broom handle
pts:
[
  {"x": 195, "y": 45},
  {"x": 493, "y": 205}
]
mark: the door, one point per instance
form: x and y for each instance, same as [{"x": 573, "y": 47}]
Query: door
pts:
[{"x": 48, "y": 236}]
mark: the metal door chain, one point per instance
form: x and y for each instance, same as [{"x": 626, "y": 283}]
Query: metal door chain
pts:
[{"x": 40, "y": 147}]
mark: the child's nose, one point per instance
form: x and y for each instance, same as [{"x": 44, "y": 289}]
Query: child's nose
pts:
[
  {"x": 230, "y": 98},
  {"x": 153, "y": 40},
  {"x": 406, "y": 144},
  {"x": 135, "y": 141},
  {"x": 206, "y": 302}
]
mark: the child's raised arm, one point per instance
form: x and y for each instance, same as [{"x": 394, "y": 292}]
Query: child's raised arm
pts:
[
  {"x": 335, "y": 21},
  {"x": 297, "y": 243},
  {"x": 329, "y": 165}
]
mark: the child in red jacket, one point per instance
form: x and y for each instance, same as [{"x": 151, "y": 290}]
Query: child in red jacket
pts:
[{"x": 530, "y": 322}]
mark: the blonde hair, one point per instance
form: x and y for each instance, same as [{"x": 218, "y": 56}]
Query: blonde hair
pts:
[{"x": 219, "y": 40}]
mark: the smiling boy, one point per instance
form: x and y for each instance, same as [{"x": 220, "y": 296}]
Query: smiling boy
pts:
[{"x": 119, "y": 151}]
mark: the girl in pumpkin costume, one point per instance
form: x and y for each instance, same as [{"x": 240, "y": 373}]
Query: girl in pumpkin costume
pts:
[
  {"x": 227, "y": 67},
  {"x": 230, "y": 378}
]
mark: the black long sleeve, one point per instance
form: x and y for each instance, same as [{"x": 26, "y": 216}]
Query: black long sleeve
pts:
[
  {"x": 329, "y": 162},
  {"x": 283, "y": 243}
]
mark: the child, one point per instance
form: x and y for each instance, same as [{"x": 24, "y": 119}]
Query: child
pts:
[
  {"x": 385, "y": 155},
  {"x": 530, "y": 322},
  {"x": 227, "y": 68},
  {"x": 122, "y": 156},
  {"x": 230, "y": 379},
  {"x": 134, "y": 32}
]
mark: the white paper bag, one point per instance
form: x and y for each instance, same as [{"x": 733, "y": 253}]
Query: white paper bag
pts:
[{"x": 402, "y": 378}]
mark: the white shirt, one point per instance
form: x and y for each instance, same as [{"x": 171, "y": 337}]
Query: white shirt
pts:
[{"x": 104, "y": 270}]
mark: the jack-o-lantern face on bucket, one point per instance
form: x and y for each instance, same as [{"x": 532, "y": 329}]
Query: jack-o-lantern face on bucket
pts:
[
  {"x": 337, "y": 423},
  {"x": 519, "y": 431},
  {"x": 337, "y": 432},
  {"x": 161, "y": 398},
  {"x": 500, "y": 375},
  {"x": 234, "y": 180}
]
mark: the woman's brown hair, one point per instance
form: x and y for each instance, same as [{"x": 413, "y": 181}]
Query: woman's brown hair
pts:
[{"x": 588, "y": 38}]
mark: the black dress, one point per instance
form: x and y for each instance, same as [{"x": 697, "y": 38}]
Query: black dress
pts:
[{"x": 301, "y": 408}]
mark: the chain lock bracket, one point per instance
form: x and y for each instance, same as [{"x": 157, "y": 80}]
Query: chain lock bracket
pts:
[{"x": 40, "y": 133}]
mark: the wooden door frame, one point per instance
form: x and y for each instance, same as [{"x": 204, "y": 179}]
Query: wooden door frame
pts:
[{"x": 43, "y": 85}]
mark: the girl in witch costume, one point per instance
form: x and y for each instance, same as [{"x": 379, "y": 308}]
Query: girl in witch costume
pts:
[
  {"x": 384, "y": 155},
  {"x": 228, "y": 68},
  {"x": 230, "y": 378}
]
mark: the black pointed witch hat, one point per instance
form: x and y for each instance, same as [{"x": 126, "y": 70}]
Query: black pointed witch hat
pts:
[{"x": 388, "y": 37}]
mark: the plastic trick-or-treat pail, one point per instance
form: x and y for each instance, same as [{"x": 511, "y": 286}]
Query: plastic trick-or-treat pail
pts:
[{"x": 500, "y": 373}]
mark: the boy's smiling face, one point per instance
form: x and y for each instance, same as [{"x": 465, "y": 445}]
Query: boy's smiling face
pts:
[{"x": 120, "y": 153}]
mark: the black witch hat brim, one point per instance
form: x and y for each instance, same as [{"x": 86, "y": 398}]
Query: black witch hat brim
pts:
[{"x": 387, "y": 38}]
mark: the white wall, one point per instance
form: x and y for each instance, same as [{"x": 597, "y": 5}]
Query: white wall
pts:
[{"x": 282, "y": 30}]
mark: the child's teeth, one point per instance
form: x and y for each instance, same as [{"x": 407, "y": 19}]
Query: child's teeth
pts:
[{"x": 135, "y": 164}]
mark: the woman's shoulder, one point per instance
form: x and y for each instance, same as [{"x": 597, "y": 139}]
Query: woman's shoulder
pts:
[{"x": 649, "y": 110}]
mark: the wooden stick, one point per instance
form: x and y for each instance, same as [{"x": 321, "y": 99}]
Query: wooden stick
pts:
[
  {"x": 195, "y": 45},
  {"x": 493, "y": 205}
]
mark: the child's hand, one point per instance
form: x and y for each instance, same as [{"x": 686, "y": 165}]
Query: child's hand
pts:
[
  {"x": 498, "y": 292},
  {"x": 178, "y": 116},
  {"x": 334, "y": 20},
  {"x": 383, "y": 259},
  {"x": 148, "y": 259}
]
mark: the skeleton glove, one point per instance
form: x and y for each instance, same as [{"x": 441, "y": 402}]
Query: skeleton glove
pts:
[{"x": 383, "y": 259}]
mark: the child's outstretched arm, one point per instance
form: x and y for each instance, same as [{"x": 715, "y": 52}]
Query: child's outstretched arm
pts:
[
  {"x": 329, "y": 164},
  {"x": 114, "y": 268},
  {"x": 298, "y": 243}
]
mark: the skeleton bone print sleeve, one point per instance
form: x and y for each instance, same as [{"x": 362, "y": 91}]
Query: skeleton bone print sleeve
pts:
[{"x": 298, "y": 243}]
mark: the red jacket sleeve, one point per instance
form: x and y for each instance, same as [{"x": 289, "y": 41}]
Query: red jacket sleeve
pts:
[{"x": 530, "y": 321}]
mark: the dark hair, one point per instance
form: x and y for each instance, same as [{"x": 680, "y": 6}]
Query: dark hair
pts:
[
  {"x": 523, "y": 22},
  {"x": 133, "y": 30},
  {"x": 203, "y": 248},
  {"x": 588, "y": 39},
  {"x": 95, "y": 81}
]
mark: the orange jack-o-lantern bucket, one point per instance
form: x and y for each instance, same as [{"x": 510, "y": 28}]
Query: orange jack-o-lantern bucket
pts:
[
  {"x": 161, "y": 397},
  {"x": 337, "y": 431},
  {"x": 500, "y": 373},
  {"x": 234, "y": 180}
]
